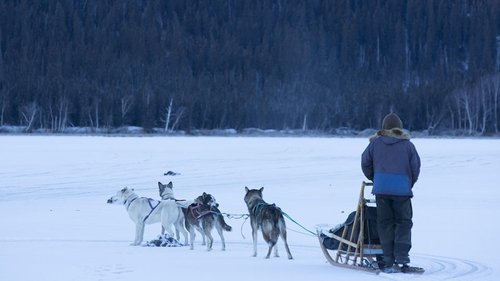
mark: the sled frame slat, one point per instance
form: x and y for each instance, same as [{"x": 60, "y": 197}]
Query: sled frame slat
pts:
[{"x": 357, "y": 256}]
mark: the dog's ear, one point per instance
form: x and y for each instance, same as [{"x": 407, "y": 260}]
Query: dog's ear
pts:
[
  {"x": 246, "y": 189},
  {"x": 204, "y": 194},
  {"x": 170, "y": 185},
  {"x": 160, "y": 184},
  {"x": 261, "y": 189}
]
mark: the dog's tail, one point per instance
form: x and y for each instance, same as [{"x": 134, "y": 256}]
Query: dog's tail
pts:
[
  {"x": 271, "y": 224},
  {"x": 220, "y": 219},
  {"x": 279, "y": 222},
  {"x": 186, "y": 222},
  {"x": 282, "y": 226},
  {"x": 224, "y": 225},
  {"x": 183, "y": 203}
]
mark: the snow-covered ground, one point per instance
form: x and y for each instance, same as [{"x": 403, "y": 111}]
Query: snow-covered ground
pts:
[{"x": 56, "y": 225}]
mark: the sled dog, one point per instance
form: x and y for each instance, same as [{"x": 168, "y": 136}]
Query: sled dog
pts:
[
  {"x": 203, "y": 215},
  {"x": 167, "y": 193},
  {"x": 142, "y": 211},
  {"x": 268, "y": 218},
  {"x": 173, "y": 214}
]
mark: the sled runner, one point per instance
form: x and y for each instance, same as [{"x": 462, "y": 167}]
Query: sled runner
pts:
[{"x": 355, "y": 243}]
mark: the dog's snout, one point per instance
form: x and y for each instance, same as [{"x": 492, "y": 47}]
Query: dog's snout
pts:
[
  {"x": 216, "y": 205},
  {"x": 110, "y": 201}
]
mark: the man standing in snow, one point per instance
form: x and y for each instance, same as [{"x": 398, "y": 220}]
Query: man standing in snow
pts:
[{"x": 393, "y": 164}]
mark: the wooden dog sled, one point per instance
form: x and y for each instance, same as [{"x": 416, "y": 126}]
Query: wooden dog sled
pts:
[{"x": 352, "y": 244}]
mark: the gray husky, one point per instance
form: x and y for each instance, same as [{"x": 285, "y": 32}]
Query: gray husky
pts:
[
  {"x": 268, "y": 218},
  {"x": 203, "y": 215}
]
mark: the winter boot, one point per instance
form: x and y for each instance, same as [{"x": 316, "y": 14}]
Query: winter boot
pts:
[
  {"x": 405, "y": 268},
  {"x": 391, "y": 269}
]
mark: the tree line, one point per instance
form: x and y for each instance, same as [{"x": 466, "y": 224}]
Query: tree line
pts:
[{"x": 195, "y": 64}]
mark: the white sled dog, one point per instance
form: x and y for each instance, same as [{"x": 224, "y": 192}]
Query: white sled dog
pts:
[
  {"x": 174, "y": 211},
  {"x": 268, "y": 218},
  {"x": 142, "y": 211},
  {"x": 167, "y": 193},
  {"x": 203, "y": 215}
]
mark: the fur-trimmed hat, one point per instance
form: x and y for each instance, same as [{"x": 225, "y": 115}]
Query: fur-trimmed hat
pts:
[{"x": 391, "y": 121}]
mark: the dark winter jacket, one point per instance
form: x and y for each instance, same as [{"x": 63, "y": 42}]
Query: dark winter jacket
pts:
[{"x": 391, "y": 162}]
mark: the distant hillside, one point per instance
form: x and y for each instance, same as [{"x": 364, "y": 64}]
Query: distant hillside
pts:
[{"x": 195, "y": 64}]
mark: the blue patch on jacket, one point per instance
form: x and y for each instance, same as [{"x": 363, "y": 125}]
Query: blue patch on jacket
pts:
[{"x": 391, "y": 184}]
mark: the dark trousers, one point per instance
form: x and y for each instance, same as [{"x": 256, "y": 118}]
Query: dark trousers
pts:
[{"x": 394, "y": 223}]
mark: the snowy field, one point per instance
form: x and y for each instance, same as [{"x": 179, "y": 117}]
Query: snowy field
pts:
[{"x": 56, "y": 224}]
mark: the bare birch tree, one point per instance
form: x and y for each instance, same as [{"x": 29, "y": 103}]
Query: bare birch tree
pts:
[
  {"x": 168, "y": 115},
  {"x": 29, "y": 113},
  {"x": 126, "y": 103},
  {"x": 495, "y": 92}
]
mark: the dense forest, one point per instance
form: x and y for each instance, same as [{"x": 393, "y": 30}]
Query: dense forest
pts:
[{"x": 270, "y": 64}]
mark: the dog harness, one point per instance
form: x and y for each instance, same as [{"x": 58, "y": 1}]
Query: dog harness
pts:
[
  {"x": 152, "y": 208},
  {"x": 196, "y": 213},
  {"x": 259, "y": 207},
  {"x": 127, "y": 205},
  {"x": 130, "y": 202}
]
